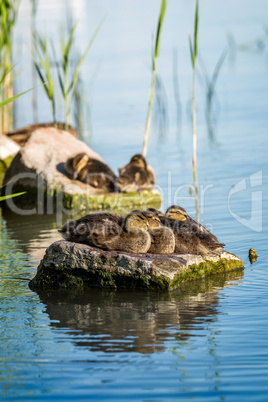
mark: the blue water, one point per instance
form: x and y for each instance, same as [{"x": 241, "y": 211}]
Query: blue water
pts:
[{"x": 207, "y": 340}]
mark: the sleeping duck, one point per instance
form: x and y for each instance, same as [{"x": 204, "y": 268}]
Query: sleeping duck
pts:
[
  {"x": 110, "y": 232},
  {"x": 162, "y": 237},
  {"x": 136, "y": 175},
  {"x": 190, "y": 236},
  {"x": 91, "y": 171}
]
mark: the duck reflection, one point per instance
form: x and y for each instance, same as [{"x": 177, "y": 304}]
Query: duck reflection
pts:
[{"x": 110, "y": 321}]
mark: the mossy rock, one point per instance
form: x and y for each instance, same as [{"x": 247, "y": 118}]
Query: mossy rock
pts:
[
  {"x": 38, "y": 169},
  {"x": 47, "y": 200},
  {"x": 68, "y": 265}
]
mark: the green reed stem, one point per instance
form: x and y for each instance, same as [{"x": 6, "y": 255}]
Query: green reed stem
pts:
[
  {"x": 193, "y": 51},
  {"x": 155, "y": 57}
]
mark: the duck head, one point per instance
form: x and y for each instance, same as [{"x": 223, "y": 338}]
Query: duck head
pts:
[
  {"x": 156, "y": 212},
  {"x": 152, "y": 219},
  {"x": 74, "y": 165},
  {"x": 139, "y": 161},
  {"x": 135, "y": 221},
  {"x": 176, "y": 212}
]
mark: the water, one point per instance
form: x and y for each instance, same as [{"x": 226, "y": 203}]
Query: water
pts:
[{"x": 207, "y": 340}]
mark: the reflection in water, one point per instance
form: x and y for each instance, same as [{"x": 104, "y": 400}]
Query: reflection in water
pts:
[
  {"x": 111, "y": 321},
  {"x": 160, "y": 109},
  {"x": 176, "y": 89},
  {"x": 33, "y": 233},
  {"x": 212, "y": 103}
]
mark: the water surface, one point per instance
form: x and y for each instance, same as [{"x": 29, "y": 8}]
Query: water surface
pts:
[{"x": 207, "y": 340}]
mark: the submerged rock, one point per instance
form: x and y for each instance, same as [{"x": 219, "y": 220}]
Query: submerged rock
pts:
[
  {"x": 72, "y": 265},
  {"x": 38, "y": 169},
  {"x": 252, "y": 255}
]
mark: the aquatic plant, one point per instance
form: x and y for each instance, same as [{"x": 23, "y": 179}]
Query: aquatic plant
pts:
[
  {"x": 7, "y": 101},
  {"x": 210, "y": 83},
  {"x": 155, "y": 57},
  {"x": 81, "y": 110},
  {"x": 34, "y": 4},
  {"x": 8, "y": 15},
  {"x": 68, "y": 84},
  {"x": 193, "y": 52},
  {"x": 67, "y": 80},
  {"x": 43, "y": 67}
]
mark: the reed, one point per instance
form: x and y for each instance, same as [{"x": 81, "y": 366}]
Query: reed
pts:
[
  {"x": 34, "y": 8},
  {"x": 12, "y": 99},
  {"x": 43, "y": 67},
  {"x": 155, "y": 57},
  {"x": 3, "y": 103},
  {"x": 193, "y": 52},
  {"x": 68, "y": 79},
  {"x": 8, "y": 15}
]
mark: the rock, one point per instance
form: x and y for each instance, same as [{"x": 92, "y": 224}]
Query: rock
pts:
[
  {"x": 252, "y": 255},
  {"x": 72, "y": 265},
  {"x": 21, "y": 135},
  {"x": 38, "y": 169},
  {"x": 8, "y": 149}
]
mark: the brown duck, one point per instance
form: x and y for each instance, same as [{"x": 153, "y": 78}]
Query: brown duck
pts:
[
  {"x": 162, "y": 237},
  {"x": 91, "y": 171},
  {"x": 110, "y": 232},
  {"x": 190, "y": 236},
  {"x": 136, "y": 175}
]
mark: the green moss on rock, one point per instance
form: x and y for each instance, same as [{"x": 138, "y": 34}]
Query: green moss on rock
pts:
[
  {"x": 42, "y": 197},
  {"x": 204, "y": 269}
]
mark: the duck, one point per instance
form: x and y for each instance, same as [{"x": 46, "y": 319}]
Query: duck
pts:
[
  {"x": 90, "y": 171},
  {"x": 162, "y": 237},
  {"x": 190, "y": 236},
  {"x": 110, "y": 232},
  {"x": 136, "y": 175},
  {"x": 87, "y": 228},
  {"x": 156, "y": 212}
]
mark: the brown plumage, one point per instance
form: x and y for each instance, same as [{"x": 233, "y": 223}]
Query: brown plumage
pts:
[
  {"x": 91, "y": 171},
  {"x": 110, "y": 232},
  {"x": 162, "y": 238},
  {"x": 156, "y": 212},
  {"x": 190, "y": 236},
  {"x": 136, "y": 175}
]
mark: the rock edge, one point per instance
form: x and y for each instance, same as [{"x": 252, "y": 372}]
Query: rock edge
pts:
[{"x": 72, "y": 265}]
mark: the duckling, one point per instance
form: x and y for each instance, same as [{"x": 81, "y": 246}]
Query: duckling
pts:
[
  {"x": 190, "y": 236},
  {"x": 110, "y": 232},
  {"x": 156, "y": 212},
  {"x": 162, "y": 238},
  {"x": 91, "y": 171},
  {"x": 88, "y": 228},
  {"x": 136, "y": 175}
]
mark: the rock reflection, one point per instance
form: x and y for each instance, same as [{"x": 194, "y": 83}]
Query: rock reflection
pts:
[{"x": 142, "y": 322}]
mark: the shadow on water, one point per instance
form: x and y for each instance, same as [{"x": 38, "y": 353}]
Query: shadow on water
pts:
[{"x": 110, "y": 321}]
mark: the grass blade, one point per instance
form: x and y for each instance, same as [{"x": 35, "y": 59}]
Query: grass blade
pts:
[
  {"x": 195, "y": 33},
  {"x": 9, "y": 100},
  {"x": 159, "y": 27},
  {"x": 6, "y": 197},
  {"x": 156, "y": 53},
  {"x": 79, "y": 65}
]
